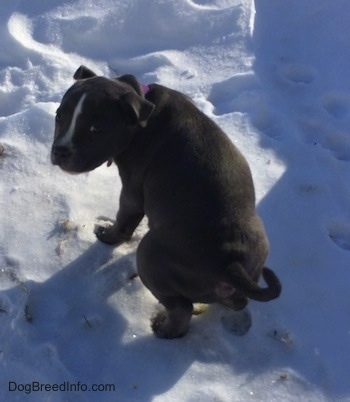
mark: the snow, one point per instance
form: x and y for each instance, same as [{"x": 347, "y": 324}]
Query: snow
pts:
[{"x": 275, "y": 76}]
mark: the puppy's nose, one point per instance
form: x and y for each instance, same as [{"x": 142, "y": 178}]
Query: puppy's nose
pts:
[{"x": 60, "y": 153}]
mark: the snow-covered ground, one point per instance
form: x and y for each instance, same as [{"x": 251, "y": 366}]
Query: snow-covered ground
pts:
[{"x": 275, "y": 75}]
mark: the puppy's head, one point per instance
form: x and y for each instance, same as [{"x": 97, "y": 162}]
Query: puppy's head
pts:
[{"x": 96, "y": 120}]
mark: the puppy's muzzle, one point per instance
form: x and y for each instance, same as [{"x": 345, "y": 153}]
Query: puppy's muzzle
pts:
[{"x": 60, "y": 154}]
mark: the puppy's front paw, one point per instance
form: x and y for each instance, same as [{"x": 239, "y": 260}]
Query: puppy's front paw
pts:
[
  {"x": 162, "y": 328},
  {"x": 109, "y": 235}
]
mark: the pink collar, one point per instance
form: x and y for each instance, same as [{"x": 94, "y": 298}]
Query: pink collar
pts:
[{"x": 145, "y": 89}]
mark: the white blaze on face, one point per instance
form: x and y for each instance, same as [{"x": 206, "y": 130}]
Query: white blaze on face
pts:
[{"x": 67, "y": 138}]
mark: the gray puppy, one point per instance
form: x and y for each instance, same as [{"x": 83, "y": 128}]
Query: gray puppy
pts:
[{"x": 205, "y": 242}]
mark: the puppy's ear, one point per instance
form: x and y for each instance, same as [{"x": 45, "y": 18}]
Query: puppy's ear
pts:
[
  {"x": 131, "y": 80},
  {"x": 83, "y": 72},
  {"x": 137, "y": 109}
]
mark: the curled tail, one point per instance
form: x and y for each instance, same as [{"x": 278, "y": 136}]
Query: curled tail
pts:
[{"x": 240, "y": 279}]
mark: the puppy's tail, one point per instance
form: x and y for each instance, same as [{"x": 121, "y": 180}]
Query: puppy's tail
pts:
[{"x": 240, "y": 279}]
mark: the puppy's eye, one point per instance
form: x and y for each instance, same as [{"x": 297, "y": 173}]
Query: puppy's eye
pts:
[{"x": 95, "y": 129}]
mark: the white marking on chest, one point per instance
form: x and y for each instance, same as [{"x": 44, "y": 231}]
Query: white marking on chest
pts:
[{"x": 67, "y": 138}]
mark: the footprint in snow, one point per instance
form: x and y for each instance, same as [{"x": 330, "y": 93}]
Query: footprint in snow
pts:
[
  {"x": 243, "y": 93},
  {"x": 297, "y": 74},
  {"x": 235, "y": 94},
  {"x": 336, "y": 104},
  {"x": 318, "y": 132},
  {"x": 339, "y": 232},
  {"x": 237, "y": 322}
]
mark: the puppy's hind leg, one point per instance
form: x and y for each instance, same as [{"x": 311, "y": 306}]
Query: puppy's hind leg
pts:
[
  {"x": 160, "y": 272},
  {"x": 174, "y": 320}
]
